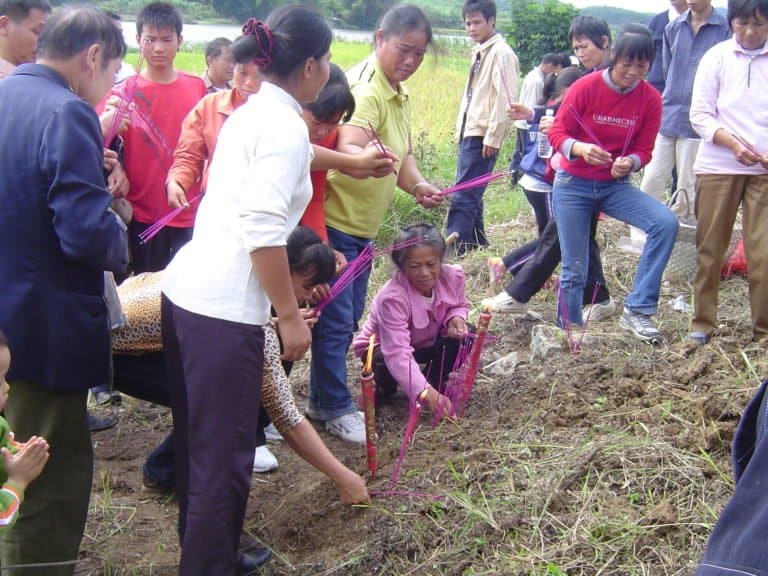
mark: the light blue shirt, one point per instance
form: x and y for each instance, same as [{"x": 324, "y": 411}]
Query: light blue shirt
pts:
[{"x": 682, "y": 53}]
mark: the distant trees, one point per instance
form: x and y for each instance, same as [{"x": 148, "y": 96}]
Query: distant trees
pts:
[
  {"x": 538, "y": 27},
  {"x": 355, "y": 13}
]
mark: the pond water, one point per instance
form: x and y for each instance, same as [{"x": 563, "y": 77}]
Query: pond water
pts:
[{"x": 203, "y": 33}]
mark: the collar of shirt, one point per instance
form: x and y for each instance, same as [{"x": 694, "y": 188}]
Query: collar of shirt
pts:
[
  {"x": 386, "y": 88},
  {"x": 209, "y": 85},
  {"x": 739, "y": 49},
  {"x": 231, "y": 99},
  {"x": 485, "y": 46},
  {"x": 44, "y": 72},
  {"x": 6, "y": 68},
  {"x": 714, "y": 18},
  {"x": 613, "y": 86},
  {"x": 276, "y": 92}
]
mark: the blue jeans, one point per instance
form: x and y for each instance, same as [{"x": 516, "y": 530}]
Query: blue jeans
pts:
[
  {"x": 329, "y": 396},
  {"x": 575, "y": 201},
  {"x": 465, "y": 215}
]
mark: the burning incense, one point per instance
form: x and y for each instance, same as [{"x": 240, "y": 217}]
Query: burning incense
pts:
[
  {"x": 474, "y": 361},
  {"x": 410, "y": 428},
  {"x": 369, "y": 407}
]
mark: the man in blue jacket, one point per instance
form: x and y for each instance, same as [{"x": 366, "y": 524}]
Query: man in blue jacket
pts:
[{"x": 57, "y": 237}]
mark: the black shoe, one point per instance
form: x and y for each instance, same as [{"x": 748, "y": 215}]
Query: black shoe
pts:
[
  {"x": 96, "y": 424},
  {"x": 250, "y": 563},
  {"x": 151, "y": 486}
]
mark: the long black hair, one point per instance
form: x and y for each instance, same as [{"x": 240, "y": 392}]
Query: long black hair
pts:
[{"x": 309, "y": 256}]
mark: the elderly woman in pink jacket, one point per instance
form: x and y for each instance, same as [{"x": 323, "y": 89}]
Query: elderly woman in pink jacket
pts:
[{"x": 419, "y": 318}]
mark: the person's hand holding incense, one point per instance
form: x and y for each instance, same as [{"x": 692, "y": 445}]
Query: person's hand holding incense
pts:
[
  {"x": 319, "y": 293},
  {"x": 351, "y": 487},
  {"x": 177, "y": 198},
  {"x": 438, "y": 403},
  {"x": 591, "y": 153},
  {"x": 621, "y": 167},
  {"x": 110, "y": 160},
  {"x": 341, "y": 261},
  {"x": 427, "y": 195},
  {"x": 107, "y": 117},
  {"x": 457, "y": 328},
  {"x": 517, "y": 111}
]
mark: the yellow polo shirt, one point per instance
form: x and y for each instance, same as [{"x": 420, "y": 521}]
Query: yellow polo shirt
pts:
[{"x": 357, "y": 207}]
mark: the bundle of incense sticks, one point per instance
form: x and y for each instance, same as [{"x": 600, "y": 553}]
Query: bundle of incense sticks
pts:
[
  {"x": 358, "y": 266},
  {"x": 374, "y": 136},
  {"x": 368, "y": 387},
  {"x": 746, "y": 144},
  {"x": 474, "y": 362},
  {"x": 628, "y": 137},
  {"x": 126, "y": 99},
  {"x": 475, "y": 182},
  {"x": 142, "y": 122},
  {"x": 586, "y": 127},
  {"x": 453, "y": 383},
  {"x": 155, "y": 228}
]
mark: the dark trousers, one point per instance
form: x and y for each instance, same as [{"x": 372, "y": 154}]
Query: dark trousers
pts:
[
  {"x": 158, "y": 252},
  {"x": 465, "y": 215},
  {"x": 215, "y": 370},
  {"x": 52, "y": 517},
  {"x": 540, "y": 266},
  {"x": 541, "y": 202},
  {"x": 438, "y": 360}
]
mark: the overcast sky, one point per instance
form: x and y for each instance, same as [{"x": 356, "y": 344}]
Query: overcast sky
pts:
[{"x": 638, "y": 5}]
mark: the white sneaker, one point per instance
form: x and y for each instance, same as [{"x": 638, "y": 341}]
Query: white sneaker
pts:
[
  {"x": 349, "y": 427},
  {"x": 272, "y": 433},
  {"x": 264, "y": 460},
  {"x": 503, "y": 302},
  {"x": 599, "y": 310}
]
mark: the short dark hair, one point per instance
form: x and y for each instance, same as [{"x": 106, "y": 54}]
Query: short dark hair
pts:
[
  {"x": 17, "y": 10},
  {"x": 73, "y": 29},
  {"x": 565, "y": 60},
  {"x": 551, "y": 58},
  {"x": 485, "y": 7},
  {"x": 634, "y": 42},
  {"x": 335, "y": 98},
  {"x": 414, "y": 236},
  {"x": 589, "y": 27},
  {"x": 290, "y": 36},
  {"x": 161, "y": 16},
  {"x": 308, "y": 255},
  {"x": 405, "y": 18},
  {"x": 555, "y": 85},
  {"x": 215, "y": 47},
  {"x": 3, "y": 340},
  {"x": 746, "y": 8}
]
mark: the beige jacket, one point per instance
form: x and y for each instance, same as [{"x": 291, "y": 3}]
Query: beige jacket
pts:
[{"x": 486, "y": 115}]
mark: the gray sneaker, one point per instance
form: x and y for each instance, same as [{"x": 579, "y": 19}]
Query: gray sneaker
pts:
[
  {"x": 503, "y": 302},
  {"x": 349, "y": 427},
  {"x": 599, "y": 310},
  {"x": 641, "y": 326}
]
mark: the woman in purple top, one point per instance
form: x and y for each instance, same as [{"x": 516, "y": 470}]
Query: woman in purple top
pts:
[{"x": 418, "y": 318}]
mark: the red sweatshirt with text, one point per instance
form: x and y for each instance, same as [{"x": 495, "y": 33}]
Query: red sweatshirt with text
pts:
[{"x": 624, "y": 124}]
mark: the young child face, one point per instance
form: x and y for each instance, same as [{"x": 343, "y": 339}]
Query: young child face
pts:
[
  {"x": 159, "y": 46},
  {"x": 5, "y": 364},
  {"x": 319, "y": 131},
  {"x": 422, "y": 268},
  {"x": 302, "y": 286}
]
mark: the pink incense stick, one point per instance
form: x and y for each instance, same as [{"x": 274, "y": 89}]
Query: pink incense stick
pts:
[
  {"x": 126, "y": 99},
  {"x": 155, "y": 228},
  {"x": 475, "y": 182},
  {"x": 584, "y": 126},
  {"x": 410, "y": 428},
  {"x": 628, "y": 138},
  {"x": 746, "y": 144}
]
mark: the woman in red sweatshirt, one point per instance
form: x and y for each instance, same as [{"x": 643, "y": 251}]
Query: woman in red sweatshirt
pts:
[{"x": 605, "y": 131}]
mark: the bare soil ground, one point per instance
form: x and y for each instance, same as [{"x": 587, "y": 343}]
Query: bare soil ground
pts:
[{"x": 614, "y": 461}]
